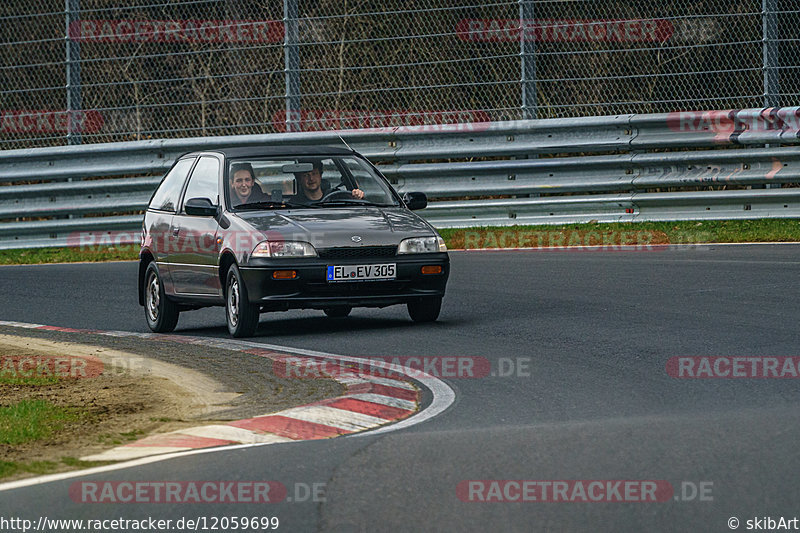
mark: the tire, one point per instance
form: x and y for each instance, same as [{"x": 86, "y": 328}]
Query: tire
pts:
[
  {"x": 161, "y": 313},
  {"x": 425, "y": 309},
  {"x": 242, "y": 316},
  {"x": 338, "y": 312}
]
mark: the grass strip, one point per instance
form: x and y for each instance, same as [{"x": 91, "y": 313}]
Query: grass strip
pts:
[
  {"x": 685, "y": 232},
  {"x": 8, "y": 378},
  {"x": 632, "y": 233},
  {"x": 31, "y": 420},
  {"x": 10, "y": 468},
  {"x": 37, "y": 256}
]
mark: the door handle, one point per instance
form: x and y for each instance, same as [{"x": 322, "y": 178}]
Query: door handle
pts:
[{"x": 176, "y": 231}]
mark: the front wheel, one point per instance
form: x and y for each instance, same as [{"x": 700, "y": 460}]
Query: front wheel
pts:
[
  {"x": 161, "y": 313},
  {"x": 425, "y": 309},
  {"x": 242, "y": 315}
]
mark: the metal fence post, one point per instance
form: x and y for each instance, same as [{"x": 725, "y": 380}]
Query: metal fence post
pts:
[
  {"x": 291, "y": 69},
  {"x": 770, "y": 52},
  {"x": 73, "y": 72},
  {"x": 527, "y": 43},
  {"x": 772, "y": 98}
]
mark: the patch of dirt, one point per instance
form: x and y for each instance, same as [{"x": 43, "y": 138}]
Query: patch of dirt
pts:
[{"x": 124, "y": 397}]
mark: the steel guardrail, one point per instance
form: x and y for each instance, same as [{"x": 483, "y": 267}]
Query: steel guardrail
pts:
[{"x": 605, "y": 169}]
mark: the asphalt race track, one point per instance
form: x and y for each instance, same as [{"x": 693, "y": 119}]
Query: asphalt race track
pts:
[{"x": 595, "y": 402}]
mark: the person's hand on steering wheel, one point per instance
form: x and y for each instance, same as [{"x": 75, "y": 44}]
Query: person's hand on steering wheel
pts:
[{"x": 340, "y": 192}]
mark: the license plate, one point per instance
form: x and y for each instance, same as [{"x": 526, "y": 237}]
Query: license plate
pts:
[{"x": 362, "y": 272}]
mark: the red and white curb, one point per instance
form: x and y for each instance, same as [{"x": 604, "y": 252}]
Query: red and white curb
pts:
[
  {"x": 379, "y": 397},
  {"x": 369, "y": 401}
]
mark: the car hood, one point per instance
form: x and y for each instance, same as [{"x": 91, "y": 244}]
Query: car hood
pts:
[{"x": 331, "y": 227}]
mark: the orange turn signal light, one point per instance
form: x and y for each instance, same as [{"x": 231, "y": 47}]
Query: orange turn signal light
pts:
[
  {"x": 284, "y": 274},
  {"x": 432, "y": 269}
]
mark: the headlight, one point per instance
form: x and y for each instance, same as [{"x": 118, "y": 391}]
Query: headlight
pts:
[
  {"x": 284, "y": 249},
  {"x": 422, "y": 245}
]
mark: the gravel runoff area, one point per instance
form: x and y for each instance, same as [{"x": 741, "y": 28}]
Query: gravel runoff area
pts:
[{"x": 144, "y": 386}]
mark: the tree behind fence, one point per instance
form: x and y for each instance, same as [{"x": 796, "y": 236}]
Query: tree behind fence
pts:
[{"x": 87, "y": 71}]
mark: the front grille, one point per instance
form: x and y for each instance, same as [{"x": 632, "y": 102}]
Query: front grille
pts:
[{"x": 357, "y": 252}]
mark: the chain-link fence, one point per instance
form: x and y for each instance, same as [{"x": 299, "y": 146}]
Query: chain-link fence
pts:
[{"x": 86, "y": 71}]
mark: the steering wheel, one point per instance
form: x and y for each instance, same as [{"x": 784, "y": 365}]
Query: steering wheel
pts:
[{"x": 337, "y": 195}]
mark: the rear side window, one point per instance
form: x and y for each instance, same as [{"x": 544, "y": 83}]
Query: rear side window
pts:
[
  {"x": 204, "y": 182},
  {"x": 166, "y": 197}
]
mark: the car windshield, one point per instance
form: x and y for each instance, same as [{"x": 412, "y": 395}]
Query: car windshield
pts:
[{"x": 306, "y": 182}]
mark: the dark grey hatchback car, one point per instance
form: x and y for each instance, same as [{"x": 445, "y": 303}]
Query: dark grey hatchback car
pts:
[{"x": 276, "y": 228}]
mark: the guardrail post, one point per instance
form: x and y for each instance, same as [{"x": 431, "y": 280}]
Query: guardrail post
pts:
[
  {"x": 291, "y": 52},
  {"x": 527, "y": 44},
  {"x": 771, "y": 67},
  {"x": 73, "y": 72}
]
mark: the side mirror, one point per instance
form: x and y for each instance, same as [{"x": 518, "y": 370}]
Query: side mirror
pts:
[
  {"x": 200, "y": 207},
  {"x": 415, "y": 200}
]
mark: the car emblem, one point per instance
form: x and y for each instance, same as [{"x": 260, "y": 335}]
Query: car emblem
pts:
[{"x": 355, "y": 238}]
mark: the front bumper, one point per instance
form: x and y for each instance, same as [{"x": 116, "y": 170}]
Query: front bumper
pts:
[{"x": 311, "y": 290}]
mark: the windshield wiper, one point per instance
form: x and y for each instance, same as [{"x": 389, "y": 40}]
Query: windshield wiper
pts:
[
  {"x": 269, "y": 204},
  {"x": 351, "y": 202}
]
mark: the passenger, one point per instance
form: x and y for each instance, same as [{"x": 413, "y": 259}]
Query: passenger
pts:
[
  {"x": 244, "y": 189},
  {"x": 312, "y": 188}
]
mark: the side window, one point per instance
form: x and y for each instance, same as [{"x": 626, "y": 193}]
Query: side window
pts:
[
  {"x": 204, "y": 182},
  {"x": 167, "y": 194}
]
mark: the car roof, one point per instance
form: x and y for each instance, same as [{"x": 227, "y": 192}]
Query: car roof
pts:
[{"x": 269, "y": 151}]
